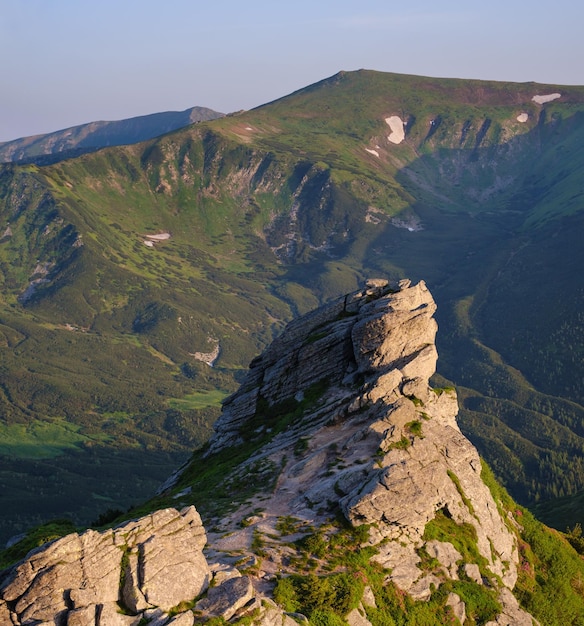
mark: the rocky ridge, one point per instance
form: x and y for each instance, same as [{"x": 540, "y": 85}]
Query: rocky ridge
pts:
[{"x": 365, "y": 435}]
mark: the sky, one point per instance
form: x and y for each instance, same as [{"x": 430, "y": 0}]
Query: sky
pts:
[{"x": 68, "y": 62}]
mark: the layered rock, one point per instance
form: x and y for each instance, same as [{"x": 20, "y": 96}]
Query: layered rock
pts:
[
  {"x": 400, "y": 459},
  {"x": 154, "y": 562},
  {"x": 364, "y": 433}
]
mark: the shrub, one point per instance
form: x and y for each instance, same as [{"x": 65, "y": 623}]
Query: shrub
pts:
[
  {"x": 320, "y": 596},
  {"x": 415, "y": 428},
  {"x": 314, "y": 545}
]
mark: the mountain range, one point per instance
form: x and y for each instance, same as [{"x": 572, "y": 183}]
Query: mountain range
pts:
[
  {"x": 138, "y": 282},
  {"x": 77, "y": 140}
]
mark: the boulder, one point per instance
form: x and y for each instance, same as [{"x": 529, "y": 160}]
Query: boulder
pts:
[
  {"x": 77, "y": 578},
  {"x": 458, "y": 607},
  {"x": 226, "y": 599}
]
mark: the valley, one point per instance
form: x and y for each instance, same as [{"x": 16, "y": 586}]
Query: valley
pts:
[{"x": 270, "y": 213}]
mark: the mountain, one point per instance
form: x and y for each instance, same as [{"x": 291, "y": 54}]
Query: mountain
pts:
[
  {"x": 77, "y": 140},
  {"x": 337, "y": 489},
  {"x": 138, "y": 282}
]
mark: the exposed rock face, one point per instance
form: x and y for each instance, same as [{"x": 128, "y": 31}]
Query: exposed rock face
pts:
[
  {"x": 373, "y": 439},
  {"x": 156, "y": 561},
  {"x": 400, "y": 458}
]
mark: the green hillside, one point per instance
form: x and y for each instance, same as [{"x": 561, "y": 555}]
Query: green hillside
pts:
[{"x": 120, "y": 269}]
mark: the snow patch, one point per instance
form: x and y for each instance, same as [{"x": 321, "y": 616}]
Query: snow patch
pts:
[
  {"x": 547, "y": 98},
  {"x": 152, "y": 239},
  {"x": 396, "y": 125},
  {"x": 159, "y": 237},
  {"x": 522, "y": 117}
]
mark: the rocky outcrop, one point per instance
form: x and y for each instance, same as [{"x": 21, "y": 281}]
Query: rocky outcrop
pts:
[
  {"x": 363, "y": 433},
  {"x": 154, "y": 562},
  {"x": 400, "y": 460}
]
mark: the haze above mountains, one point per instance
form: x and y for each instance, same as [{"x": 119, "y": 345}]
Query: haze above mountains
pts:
[{"x": 127, "y": 271}]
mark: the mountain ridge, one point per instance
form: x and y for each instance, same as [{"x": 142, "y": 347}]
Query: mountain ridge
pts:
[
  {"x": 274, "y": 211},
  {"x": 374, "y": 442},
  {"x": 76, "y": 140}
]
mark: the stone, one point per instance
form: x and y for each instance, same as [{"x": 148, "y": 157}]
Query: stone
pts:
[
  {"x": 473, "y": 571},
  {"x": 168, "y": 580},
  {"x": 358, "y": 617},
  {"x": 225, "y": 573},
  {"x": 368, "y": 598},
  {"x": 226, "y": 599},
  {"x": 156, "y": 617},
  {"x": 402, "y": 560},
  {"x": 79, "y": 576},
  {"x": 376, "y": 283},
  {"x": 170, "y": 567},
  {"x": 87, "y": 616},
  {"x": 110, "y": 615},
  {"x": 422, "y": 588},
  {"x": 273, "y": 616},
  {"x": 447, "y": 555},
  {"x": 184, "y": 619},
  {"x": 132, "y": 596},
  {"x": 6, "y": 616},
  {"x": 457, "y": 605},
  {"x": 298, "y": 618},
  {"x": 512, "y": 614},
  {"x": 379, "y": 444}
]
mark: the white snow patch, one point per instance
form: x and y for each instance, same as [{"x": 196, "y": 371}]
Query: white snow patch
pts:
[
  {"x": 158, "y": 237},
  {"x": 396, "y": 125},
  {"x": 522, "y": 117},
  {"x": 152, "y": 239},
  {"x": 374, "y": 152},
  {"x": 547, "y": 98}
]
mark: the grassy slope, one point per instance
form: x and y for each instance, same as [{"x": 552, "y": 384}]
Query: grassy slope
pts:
[{"x": 224, "y": 191}]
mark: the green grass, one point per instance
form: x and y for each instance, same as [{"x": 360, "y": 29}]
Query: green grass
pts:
[
  {"x": 462, "y": 536},
  {"x": 199, "y": 400},
  {"x": 40, "y": 440}
]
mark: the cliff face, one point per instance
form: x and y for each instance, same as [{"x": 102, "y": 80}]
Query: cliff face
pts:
[{"x": 370, "y": 438}]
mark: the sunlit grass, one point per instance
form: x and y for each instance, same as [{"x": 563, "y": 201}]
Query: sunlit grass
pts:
[
  {"x": 39, "y": 440},
  {"x": 199, "y": 400}
]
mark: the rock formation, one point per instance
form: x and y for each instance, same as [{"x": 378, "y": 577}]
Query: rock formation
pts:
[
  {"x": 152, "y": 563},
  {"x": 364, "y": 434}
]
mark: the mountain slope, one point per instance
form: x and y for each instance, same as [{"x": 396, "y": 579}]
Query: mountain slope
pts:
[
  {"x": 77, "y": 140},
  {"x": 137, "y": 264},
  {"x": 337, "y": 489}
]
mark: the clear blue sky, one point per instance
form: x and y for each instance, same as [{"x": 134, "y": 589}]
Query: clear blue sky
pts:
[{"x": 66, "y": 62}]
